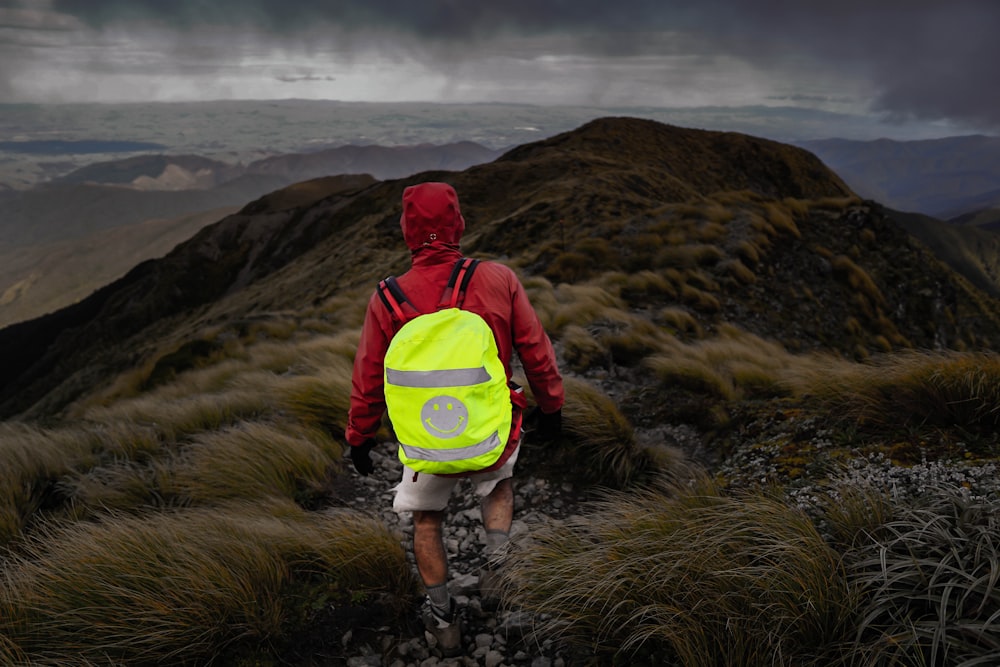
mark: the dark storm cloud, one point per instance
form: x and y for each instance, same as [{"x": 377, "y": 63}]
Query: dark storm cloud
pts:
[{"x": 925, "y": 58}]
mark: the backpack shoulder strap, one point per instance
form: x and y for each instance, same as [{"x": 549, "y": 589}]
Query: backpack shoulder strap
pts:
[
  {"x": 394, "y": 299},
  {"x": 454, "y": 292}
]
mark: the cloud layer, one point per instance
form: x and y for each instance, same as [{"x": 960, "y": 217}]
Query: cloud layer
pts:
[{"x": 910, "y": 58}]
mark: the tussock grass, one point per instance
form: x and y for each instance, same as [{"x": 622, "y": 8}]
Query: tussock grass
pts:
[
  {"x": 781, "y": 219},
  {"x": 600, "y": 441},
  {"x": 686, "y": 575},
  {"x": 748, "y": 252},
  {"x": 639, "y": 287},
  {"x": 121, "y": 485},
  {"x": 689, "y": 256},
  {"x": 629, "y": 338},
  {"x": 713, "y": 232},
  {"x": 46, "y": 466},
  {"x": 857, "y": 278},
  {"x": 181, "y": 587},
  {"x": 853, "y": 513},
  {"x": 679, "y": 320},
  {"x": 581, "y": 350},
  {"x": 321, "y": 400},
  {"x": 347, "y": 307},
  {"x": 738, "y": 271},
  {"x": 583, "y": 304},
  {"x": 179, "y": 417},
  {"x": 33, "y": 458},
  {"x": 907, "y": 388},
  {"x": 254, "y": 459},
  {"x": 729, "y": 367},
  {"x": 700, "y": 299},
  {"x": 542, "y": 295},
  {"x": 570, "y": 266}
]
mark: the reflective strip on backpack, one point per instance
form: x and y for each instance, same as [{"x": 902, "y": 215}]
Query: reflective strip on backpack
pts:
[
  {"x": 459, "y": 377},
  {"x": 444, "y": 455}
]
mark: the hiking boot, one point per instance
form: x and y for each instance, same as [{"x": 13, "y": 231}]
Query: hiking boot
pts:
[
  {"x": 446, "y": 630},
  {"x": 489, "y": 588}
]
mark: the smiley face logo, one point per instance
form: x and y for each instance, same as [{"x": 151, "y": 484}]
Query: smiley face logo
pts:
[{"x": 444, "y": 416}]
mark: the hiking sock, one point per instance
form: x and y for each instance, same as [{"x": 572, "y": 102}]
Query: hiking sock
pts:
[{"x": 440, "y": 601}]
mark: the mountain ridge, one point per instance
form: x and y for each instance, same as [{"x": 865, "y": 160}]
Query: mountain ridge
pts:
[{"x": 736, "y": 228}]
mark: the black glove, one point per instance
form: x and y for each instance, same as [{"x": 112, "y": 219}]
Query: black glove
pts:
[
  {"x": 361, "y": 457},
  {"x": 549, "y": 425}
]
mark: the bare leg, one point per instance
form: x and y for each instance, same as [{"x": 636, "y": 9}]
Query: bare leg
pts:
[
  {"x": 428, "y": 548},
  {"x": 498, "y": 507}
]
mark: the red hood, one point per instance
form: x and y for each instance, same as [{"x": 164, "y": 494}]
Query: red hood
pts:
[{"x": 431, "y": 216}]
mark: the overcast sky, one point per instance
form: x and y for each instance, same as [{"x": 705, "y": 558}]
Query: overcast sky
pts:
[{"x": 930, "y": 60}]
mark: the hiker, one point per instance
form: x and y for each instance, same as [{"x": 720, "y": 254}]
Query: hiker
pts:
[{"x": 428, "y": 420}]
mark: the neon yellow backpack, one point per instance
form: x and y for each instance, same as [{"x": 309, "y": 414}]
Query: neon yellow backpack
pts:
[{"x": 445, "y": 386}]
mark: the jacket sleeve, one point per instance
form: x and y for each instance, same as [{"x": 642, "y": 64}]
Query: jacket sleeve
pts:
[
  {"x": 535, "y": 351},
  {"x": 367, "y": 390}
]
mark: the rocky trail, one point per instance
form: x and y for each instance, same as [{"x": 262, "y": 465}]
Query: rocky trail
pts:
[{"x": 360, "y": 637}]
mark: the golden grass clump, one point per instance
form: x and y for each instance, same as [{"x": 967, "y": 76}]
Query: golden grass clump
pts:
[
  {"x": 858, "y": 279},
  {"x": 542, "y": 295},
  {"x": 689, "y": 256},
  {"x": 53, "y": 464},
  {"x": 700, "y": 299},
  {"x": 738, "y": 271},
  {"x": 33, "y": 458},
  {"x": 731, "y": 366},
  {"x": 180, "y": 417},
  {"x": 582, "y": 305},
  {"x": 600, "y": 442},
  {"x": 187, "y": 585},
  {"x": 906, "y": 388},
  {"x": 629, "y": 338},
  {"x": 781, "y": 219},
  {"x": 796, "y": 207},
  {"x": 570, "y": 266},
  {"x": 748, "y": 252},
  {"x": 252, "y": 460},
  {"x": 713, "y": 232},
  {"x": 120, "y": 485},
  {"x": 347, "y": 307},
  {"x": 581, "y": 350},
  {"x": 679, "y": 320},
  {"x": 686, "y": 575},
  {"x": 639, "y": 287},
  {"x": 320, "y": 400}
]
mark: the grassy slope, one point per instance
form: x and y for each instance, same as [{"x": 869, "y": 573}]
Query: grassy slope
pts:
[{"x": 739, "y": 280}]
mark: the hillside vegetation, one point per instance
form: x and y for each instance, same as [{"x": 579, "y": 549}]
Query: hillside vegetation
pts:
[{"x": 781, "y": 412}]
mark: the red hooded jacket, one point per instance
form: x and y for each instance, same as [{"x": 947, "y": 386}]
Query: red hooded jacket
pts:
[{"x": 432, "y": 226}]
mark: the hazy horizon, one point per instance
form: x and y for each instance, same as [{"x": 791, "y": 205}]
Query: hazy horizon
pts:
[{"x": 243, "y": 130}]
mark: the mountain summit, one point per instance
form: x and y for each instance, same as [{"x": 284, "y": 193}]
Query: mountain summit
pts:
[{"x": 687, "y": 230}]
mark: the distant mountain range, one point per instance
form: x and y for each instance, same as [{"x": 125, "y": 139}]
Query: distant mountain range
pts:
[
  {"x": 711, "y": 229},
  {"x": 56, "y": 238},
  {"x": 956, "y": 178}
]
